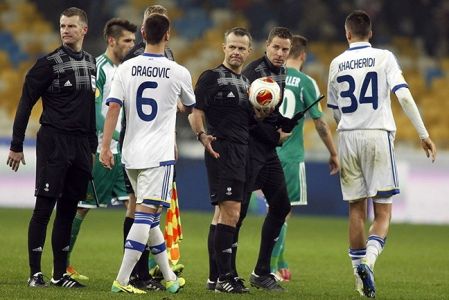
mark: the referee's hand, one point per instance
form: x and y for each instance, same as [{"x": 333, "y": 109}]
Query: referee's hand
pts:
[
  {"x": 14, "y": 159},
  {"x": 207, "y": 140},
  {"x": 107, "y": 158}
]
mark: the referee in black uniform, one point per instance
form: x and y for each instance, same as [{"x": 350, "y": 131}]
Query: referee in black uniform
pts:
[
  {"x": 66, "y": 142},
  {"x": 222, "y": 103},
  {"x": 265, "y": 168}
]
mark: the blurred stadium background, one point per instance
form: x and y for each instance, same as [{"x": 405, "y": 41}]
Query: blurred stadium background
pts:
[{"x": 416, "y": 31}]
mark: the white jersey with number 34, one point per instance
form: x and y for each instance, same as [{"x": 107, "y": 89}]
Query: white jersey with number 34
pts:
[
  {"x": 360, "y": 81},
  {"x": 148, "y": 86}
]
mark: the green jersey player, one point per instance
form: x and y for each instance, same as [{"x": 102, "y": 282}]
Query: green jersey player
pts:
[
  {"x": 110, "y": 186},
  {"x": 300, "y": 92}
]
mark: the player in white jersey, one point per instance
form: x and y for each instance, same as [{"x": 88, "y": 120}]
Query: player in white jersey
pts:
[
  {"x": 119, "y": 35},
  {"x": 360, "y": 81},
  {"x": 148, "y": 86}
]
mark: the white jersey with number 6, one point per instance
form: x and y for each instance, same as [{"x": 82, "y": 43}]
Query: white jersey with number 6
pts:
[
  {"x": 148, "y": 86},
  {"x": 360, "y": 81}
]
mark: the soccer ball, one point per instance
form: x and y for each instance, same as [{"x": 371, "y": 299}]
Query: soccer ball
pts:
[{"x": 264, "y": 93}]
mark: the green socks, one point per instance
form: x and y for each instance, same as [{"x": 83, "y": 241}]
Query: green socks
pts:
[
  {"x": 277, "y": 256},
  {"x": 76, "y": 225}
]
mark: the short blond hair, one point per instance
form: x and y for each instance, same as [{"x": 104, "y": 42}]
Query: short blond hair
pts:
[{"x": 154, "y": 9}]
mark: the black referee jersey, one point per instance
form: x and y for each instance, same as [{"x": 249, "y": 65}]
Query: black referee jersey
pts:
[
  {"x": 265, "y": 132},
  {"x": 223, "y": 96},
  {"x": 66, "y": 82}
]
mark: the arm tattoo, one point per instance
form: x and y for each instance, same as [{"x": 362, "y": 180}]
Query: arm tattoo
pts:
[{"x": 321, "y": 128}]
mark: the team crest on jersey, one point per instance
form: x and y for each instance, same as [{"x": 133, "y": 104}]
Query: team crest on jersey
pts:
[
  {"x": 93, "y": 82},
  {"x": 229, "y": 191}
]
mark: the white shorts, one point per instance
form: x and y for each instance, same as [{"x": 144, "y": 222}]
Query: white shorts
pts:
[
  {"x": 153, "y": 186},
  {"x": 368, "y": 167}
]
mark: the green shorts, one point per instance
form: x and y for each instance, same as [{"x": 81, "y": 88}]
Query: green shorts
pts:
[
  {"x": 109, "y": 184},
  {"x": 295, "y": 178}
]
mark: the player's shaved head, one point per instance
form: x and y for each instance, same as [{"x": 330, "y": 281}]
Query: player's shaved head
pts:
[
  {"x": 358, "y": 23},
  {"x": 155, "y": 28}
]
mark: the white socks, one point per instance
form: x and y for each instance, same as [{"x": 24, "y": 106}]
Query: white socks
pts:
[
  {"x": 135, "y": 244},
  {"x": 374, "y": 248},
  {"x": 158, "y": 249},
  {"x": 356, "y": 256}
]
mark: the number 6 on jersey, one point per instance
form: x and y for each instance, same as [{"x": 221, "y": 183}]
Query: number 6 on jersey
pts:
[{"x": 141, "y": 101}]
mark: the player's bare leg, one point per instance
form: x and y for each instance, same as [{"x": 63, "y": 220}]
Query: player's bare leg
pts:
[
  {"x": 382, "y": 217},
  {"x": 357, "y": 219},
  {"x": 130, "y": 205}
]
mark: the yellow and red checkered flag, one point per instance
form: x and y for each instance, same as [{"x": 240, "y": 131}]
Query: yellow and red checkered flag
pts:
[{"x": 173, "y": 230}]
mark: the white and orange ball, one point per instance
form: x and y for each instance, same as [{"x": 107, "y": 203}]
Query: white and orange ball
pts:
[{"x": 264, "y": 93}]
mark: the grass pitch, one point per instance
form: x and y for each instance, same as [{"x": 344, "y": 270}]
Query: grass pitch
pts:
[{"x": 414, "y": 265}]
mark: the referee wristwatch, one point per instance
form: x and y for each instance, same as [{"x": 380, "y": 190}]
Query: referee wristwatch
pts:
[{"x": 198, "y": 135}]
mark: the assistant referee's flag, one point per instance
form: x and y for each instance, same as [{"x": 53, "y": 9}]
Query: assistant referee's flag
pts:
[{"x": 173, "y": 230}]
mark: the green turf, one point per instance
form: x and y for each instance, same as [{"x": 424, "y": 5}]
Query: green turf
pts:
[{"x": 415, "y": 264}]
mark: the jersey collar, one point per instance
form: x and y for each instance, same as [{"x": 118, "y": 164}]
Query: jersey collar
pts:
[
  {"x": 358, "y": 45},
  {"x": 107, "y": 59},
  {"x": 236, "y": 74},
  {"x": 273, "y": 68},
  {"x": 152, "y": 54},
  {"x": 73, "y": 54}
]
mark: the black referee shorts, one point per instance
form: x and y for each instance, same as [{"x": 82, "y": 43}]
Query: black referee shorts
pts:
[
  {"x": 227, "y": 174},
  {"x": 64, "y": 164},
  {"x": 268, "y": 176}
]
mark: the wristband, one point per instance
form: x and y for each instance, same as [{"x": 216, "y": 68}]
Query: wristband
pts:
[{"x": 198, "y": 135}]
